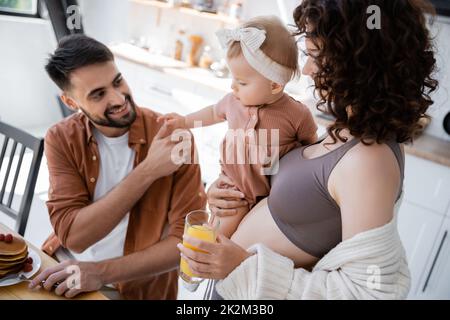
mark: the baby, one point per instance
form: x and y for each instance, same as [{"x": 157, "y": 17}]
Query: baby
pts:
[{"x": 262, "y": 57}]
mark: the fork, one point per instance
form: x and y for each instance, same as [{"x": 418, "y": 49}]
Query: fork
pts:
[
  {"x": 11, "y": 277},
  {"x": 22, "y": 278}
]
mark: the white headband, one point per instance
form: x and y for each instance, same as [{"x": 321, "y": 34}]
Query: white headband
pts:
[{"x": 251, "y": 40}]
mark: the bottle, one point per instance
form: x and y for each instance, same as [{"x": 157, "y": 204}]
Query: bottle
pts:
[
  {"x": 195, "y": 44},
  {"x": 180, "y": 45},
  {"x": 236, "y": 10},
  {"x": 206, "y": 59}
]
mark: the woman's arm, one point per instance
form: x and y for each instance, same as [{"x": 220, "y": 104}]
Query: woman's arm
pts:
[{"x": 365, "y": 185}]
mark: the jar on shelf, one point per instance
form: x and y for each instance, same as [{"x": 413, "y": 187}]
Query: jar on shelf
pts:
[
  {"x": 206, "y": 58},
  {"x": 196, "y": 42},
  {"x": 180, "y": 45},
  {"x": 236, "y": 10}
]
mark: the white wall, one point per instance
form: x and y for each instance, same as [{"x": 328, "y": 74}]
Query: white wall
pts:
[
  {"x": 105, "y": 20},
  {"x": 281, "y": 8},
  {"x": 27, "y": 95},
  {"x": 441, "y": 30}
]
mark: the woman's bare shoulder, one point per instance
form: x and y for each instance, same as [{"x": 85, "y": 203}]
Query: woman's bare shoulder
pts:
[
  {"x": 378, "y": 157},
  {"x": 366, "y": 184}
]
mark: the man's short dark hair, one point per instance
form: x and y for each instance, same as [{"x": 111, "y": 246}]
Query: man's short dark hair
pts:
[{"x": 73, "y": 52}]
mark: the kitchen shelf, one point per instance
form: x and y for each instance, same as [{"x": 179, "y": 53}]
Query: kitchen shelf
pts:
[
  {"x": 211, "y": 16},
  {"x": 188, "y": 11},
  {"x": 152, "y": 3}
]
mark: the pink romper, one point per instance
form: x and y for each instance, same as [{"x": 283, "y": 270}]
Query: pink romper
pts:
[{"x": 247, "y": 155}]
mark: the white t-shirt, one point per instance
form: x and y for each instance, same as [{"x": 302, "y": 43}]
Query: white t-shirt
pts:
[{"x": 116, "y": 162}]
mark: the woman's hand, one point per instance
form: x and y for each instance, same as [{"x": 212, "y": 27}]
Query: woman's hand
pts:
[
  {"x": 217, "y": 260},
  {"x": 223, "y": 197}
]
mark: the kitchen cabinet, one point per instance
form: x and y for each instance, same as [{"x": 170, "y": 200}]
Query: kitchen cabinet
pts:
[
  {"x": 422, "y": 225},
  {"x": 418, "y": 229},
  {"x": 427, "y": 184},
  {"x": 435, "y": 282}
]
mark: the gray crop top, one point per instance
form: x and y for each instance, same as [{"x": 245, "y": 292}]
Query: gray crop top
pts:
[{"x": 300, "y": 203}]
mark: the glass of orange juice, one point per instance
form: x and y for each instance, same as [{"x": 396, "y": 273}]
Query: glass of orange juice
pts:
[{"x": 200, "y": 225}]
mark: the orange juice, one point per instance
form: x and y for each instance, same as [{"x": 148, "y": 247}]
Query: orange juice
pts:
[
  {"x": 204, "y": 233},
  {"x": 200, "y": 225}
]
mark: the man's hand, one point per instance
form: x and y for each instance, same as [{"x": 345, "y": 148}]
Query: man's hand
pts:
[
  {"x": 174, "y": 120},
  {"x": 93, "y": 222},
  {"x": 71, "y": 278},
  {"x": 159, "y": 162}
]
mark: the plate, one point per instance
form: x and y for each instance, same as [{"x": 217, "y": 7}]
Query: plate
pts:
[{"x": 36, "y": 265}]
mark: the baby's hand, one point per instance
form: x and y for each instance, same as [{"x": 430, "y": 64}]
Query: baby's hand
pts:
[{"x": 174, "y": 120}]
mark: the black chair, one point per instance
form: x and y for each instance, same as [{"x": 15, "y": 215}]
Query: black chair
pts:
[{"x": 19, "y": 140}]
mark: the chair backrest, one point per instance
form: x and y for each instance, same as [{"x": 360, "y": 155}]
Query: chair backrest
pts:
[{"x": 20, "y": 141}]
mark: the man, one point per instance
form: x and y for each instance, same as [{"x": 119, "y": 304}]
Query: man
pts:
[{"x": 117, "y": 200}]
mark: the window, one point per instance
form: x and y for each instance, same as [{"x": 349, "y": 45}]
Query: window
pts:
[{"x": 19, "y": 7}]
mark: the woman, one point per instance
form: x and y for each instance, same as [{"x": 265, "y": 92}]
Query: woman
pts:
[{"x": 328, "y": 228}]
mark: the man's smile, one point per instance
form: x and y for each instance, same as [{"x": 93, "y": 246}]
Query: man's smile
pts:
[{"x": 120, "y": 111}]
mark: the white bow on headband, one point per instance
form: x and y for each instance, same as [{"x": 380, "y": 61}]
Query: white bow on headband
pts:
[{"x": 251, "y": 39}]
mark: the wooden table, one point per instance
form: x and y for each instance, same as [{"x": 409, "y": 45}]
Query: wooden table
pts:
[{"x": 20, "y": 291}]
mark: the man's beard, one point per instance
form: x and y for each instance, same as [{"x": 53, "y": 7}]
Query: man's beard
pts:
[{"x": 107, "y": 121}]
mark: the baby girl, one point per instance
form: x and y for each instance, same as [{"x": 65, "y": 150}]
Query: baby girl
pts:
[{"x": 262, "y": 56}]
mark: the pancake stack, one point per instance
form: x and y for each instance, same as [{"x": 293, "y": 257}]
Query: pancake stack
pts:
[{"x": 13, "y": 254}]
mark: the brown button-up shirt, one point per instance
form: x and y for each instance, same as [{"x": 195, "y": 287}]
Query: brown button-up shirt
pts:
[{"x": 73, "y": 163}]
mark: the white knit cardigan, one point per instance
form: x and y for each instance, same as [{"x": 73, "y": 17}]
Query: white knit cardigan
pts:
[{"x": 370, "y": 265}]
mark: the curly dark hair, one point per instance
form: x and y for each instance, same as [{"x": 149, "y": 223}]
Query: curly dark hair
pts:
[{"x": 384, "y": 75}]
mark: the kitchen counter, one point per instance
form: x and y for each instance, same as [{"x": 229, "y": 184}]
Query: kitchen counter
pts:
[
  {"x": 426, "y": 146},
  {"x": 431, "y": 148}
]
